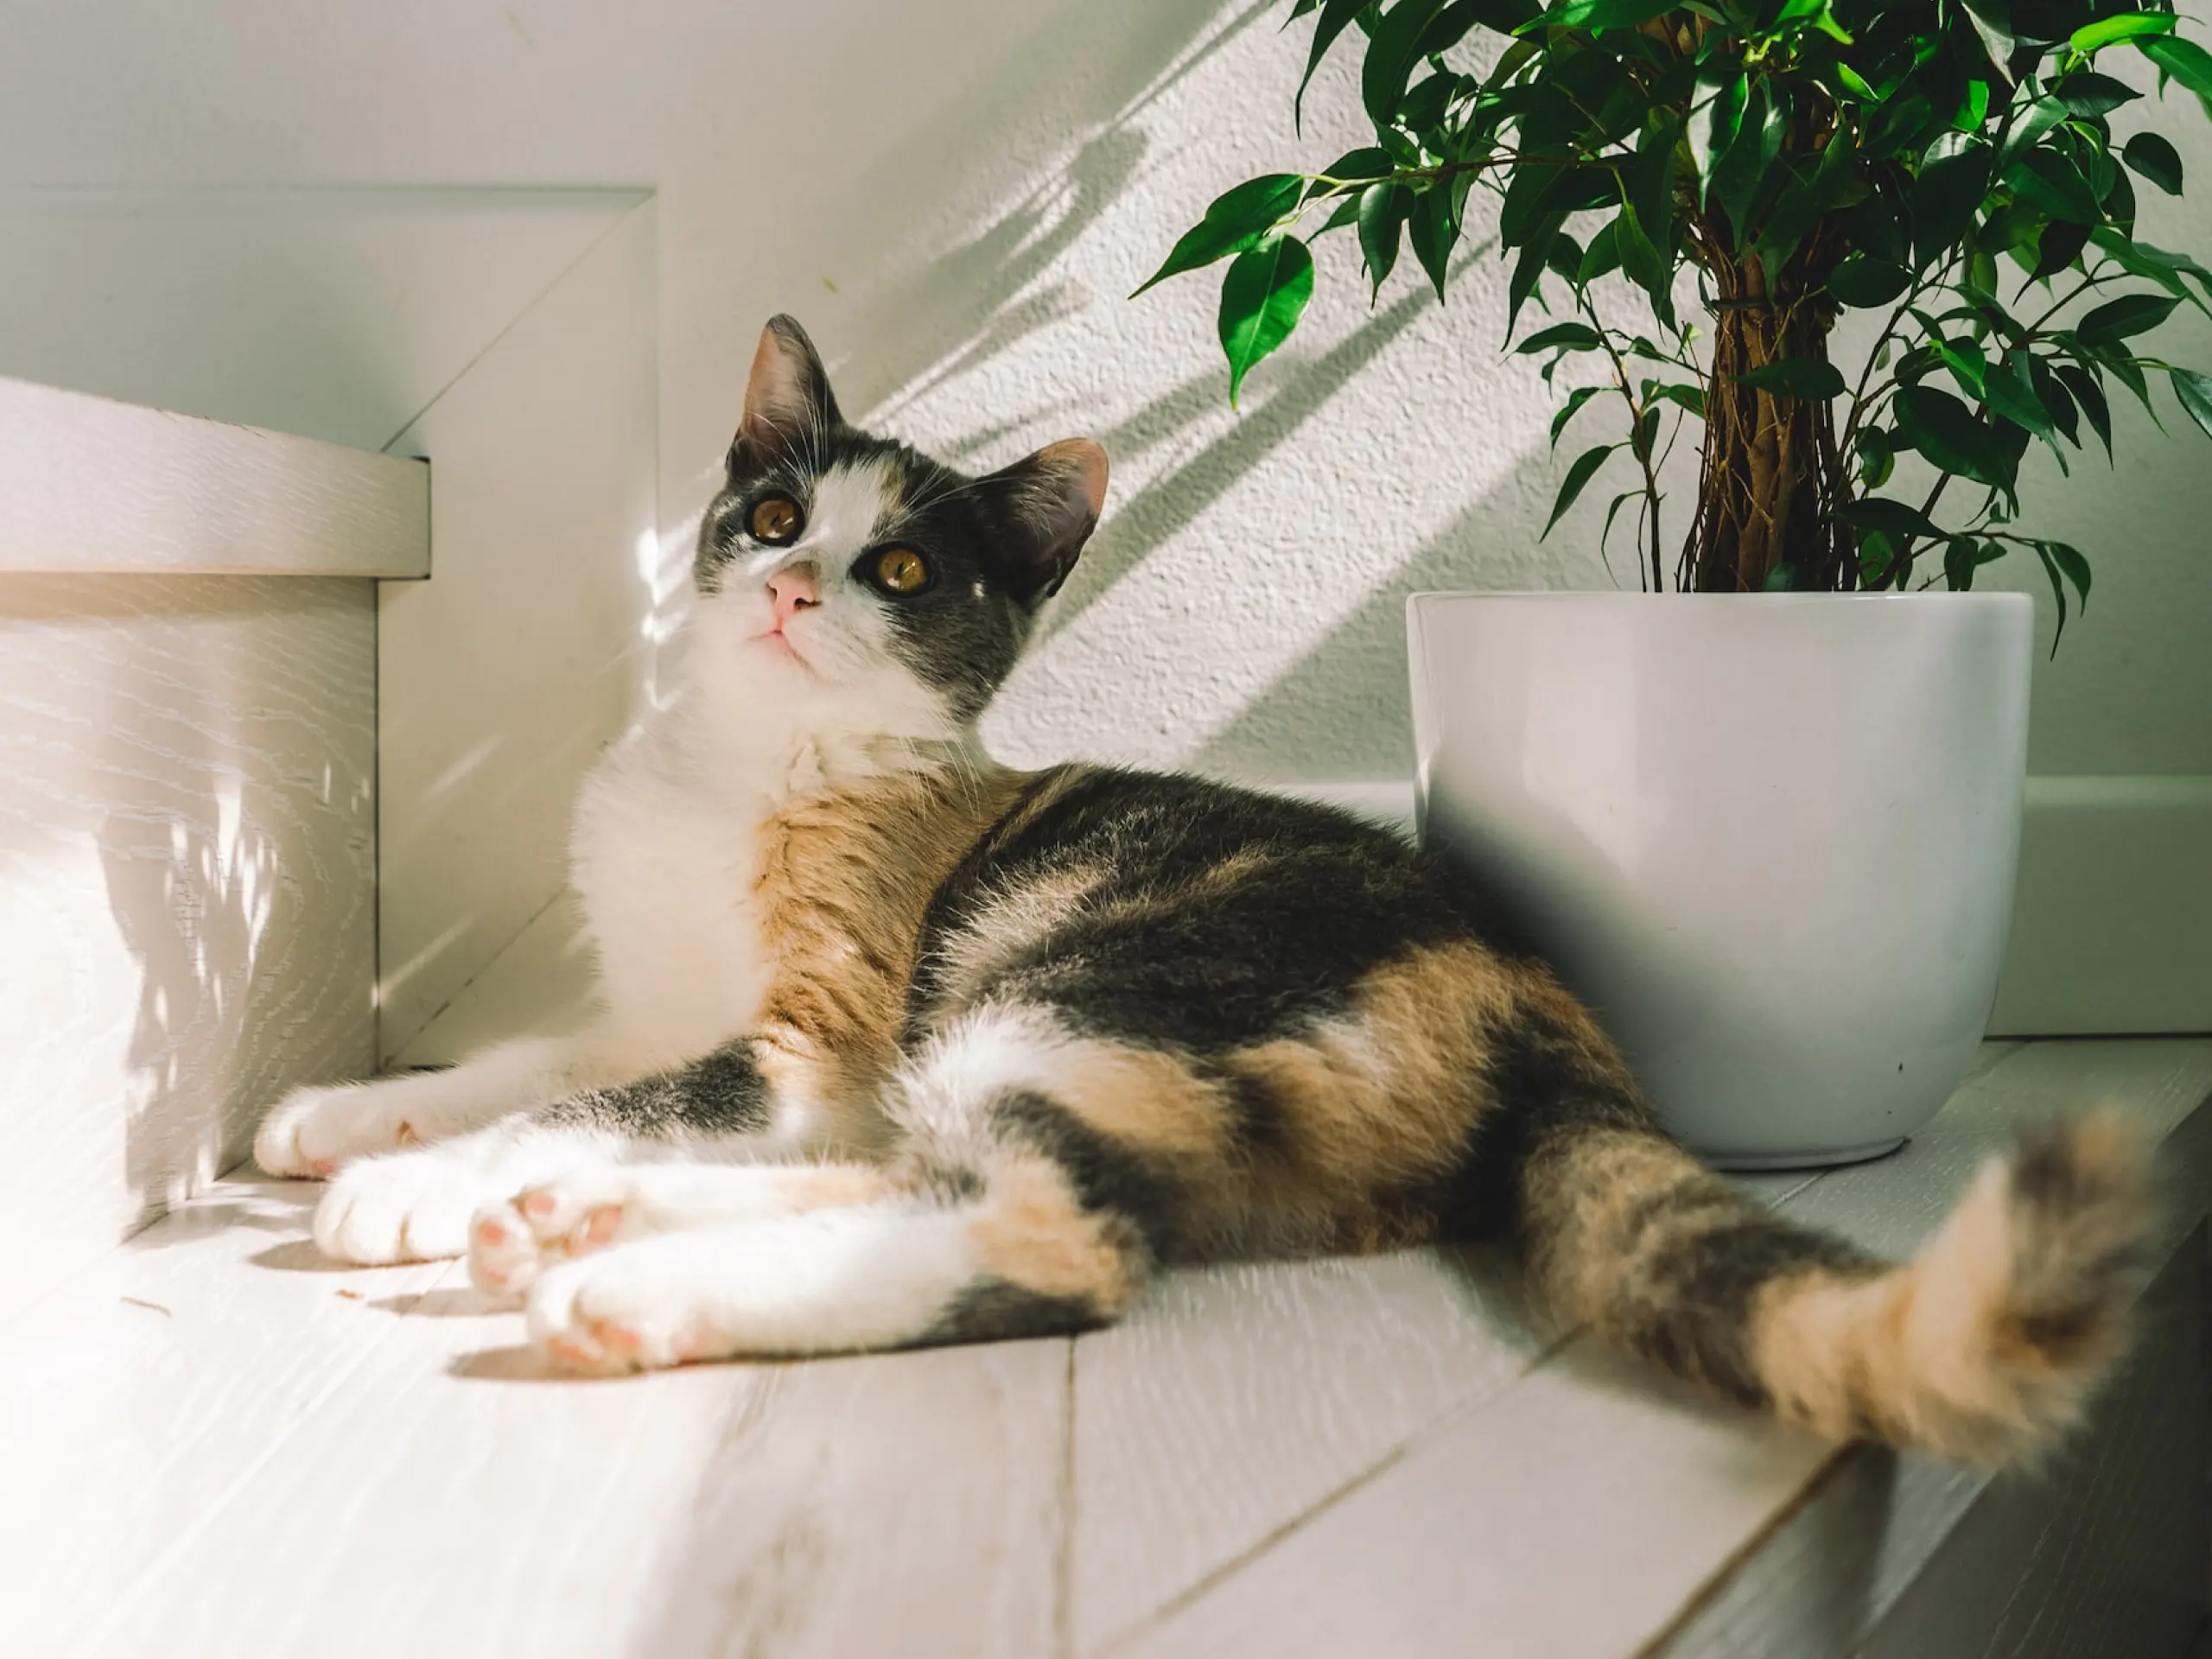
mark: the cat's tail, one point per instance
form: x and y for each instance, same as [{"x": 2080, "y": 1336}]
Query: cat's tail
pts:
[{"x": 1986, "y": 1346}]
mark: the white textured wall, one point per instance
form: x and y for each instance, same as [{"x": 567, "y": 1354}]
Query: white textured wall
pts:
[{"x": 956, "y": 197}]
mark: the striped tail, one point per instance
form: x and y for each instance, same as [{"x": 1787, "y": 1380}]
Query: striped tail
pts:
[{"x": 1986, "y": 1346}]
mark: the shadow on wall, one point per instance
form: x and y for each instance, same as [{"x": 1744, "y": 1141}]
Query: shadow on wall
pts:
[
  {"x": 1328, "y": 706},
  {"x": 945, "y": 316},
  {"x": 1163, "y": 509}
]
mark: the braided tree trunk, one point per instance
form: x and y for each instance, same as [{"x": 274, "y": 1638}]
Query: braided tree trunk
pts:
[{"x": 1767, "y": 500}]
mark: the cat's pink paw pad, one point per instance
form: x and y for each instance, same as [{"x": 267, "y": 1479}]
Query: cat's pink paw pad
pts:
[
  {"x": 576, "y": 1348},
  {"x": 576, "y": 1213},
  {"x": 618, "y": 1338},
  {"x": 615, "y": 1311},
  {"x": 502, "y": 1252}
]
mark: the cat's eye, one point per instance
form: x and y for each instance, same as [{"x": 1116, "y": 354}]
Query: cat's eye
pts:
[
  {"x": 774, "y": 518},
  {"x": 898, "y": 571}
]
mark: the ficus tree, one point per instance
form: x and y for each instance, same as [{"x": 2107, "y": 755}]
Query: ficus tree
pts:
[{"x": 1951, "y": 168}]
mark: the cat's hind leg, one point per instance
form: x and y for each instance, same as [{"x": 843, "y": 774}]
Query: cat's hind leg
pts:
[
  {"x": 1015, "y": 1208},
  {"x": 1020, "y": 1257},
  {"x": 600, "y": 1203}
]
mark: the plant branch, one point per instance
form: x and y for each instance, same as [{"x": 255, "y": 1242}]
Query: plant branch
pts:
[{"x": 1642, "y": 451}]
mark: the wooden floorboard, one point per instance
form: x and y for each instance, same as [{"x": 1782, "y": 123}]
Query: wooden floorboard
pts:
[
  {"x": 148, "y": 1397},
  {"x": 1235, "y": 1399},
  {"x": 452, "y": 1498},
  {"x": 215, "y": 1446}
]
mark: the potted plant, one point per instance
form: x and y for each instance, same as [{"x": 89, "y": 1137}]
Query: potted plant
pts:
[{"x": 1768, "y": 827}]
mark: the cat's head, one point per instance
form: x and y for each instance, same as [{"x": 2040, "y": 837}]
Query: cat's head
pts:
[{"x": 837, "y": 555}]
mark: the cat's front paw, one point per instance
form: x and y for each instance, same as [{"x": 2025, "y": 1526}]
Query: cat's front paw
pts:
[
  {"x": 512, "y": 1240},
  {"x": 311, "y": 1132},
  {"x": 409, "y": 1206},
  {"x": 639, "y": 1307}
]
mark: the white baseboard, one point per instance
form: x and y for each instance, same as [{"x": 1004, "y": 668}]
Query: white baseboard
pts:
[{"x": 2111, "y": 932}]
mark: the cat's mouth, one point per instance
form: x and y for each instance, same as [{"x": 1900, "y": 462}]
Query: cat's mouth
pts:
[{"x": 781, "y": 642}]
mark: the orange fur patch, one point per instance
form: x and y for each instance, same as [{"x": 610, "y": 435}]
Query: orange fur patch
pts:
[{"x": 1031, "y": 1231}]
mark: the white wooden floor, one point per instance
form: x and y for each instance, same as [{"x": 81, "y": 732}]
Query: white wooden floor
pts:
[{"x": 213, "y": 1443}]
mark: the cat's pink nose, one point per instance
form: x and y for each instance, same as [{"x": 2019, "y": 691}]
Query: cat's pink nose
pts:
[{"x": 792, "y": 590}]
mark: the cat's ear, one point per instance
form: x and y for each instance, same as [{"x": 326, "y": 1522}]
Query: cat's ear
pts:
[
  {"x": 788, "y": 404},
  {"x": 1050, "y": 502}
]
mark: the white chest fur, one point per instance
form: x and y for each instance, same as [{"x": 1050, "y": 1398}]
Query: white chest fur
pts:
[{"x": 666, "y": 846}]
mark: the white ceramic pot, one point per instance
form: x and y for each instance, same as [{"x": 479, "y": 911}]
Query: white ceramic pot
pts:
[{"x": 1770, "y": 839}]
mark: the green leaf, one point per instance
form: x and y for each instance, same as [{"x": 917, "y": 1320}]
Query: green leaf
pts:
[
  {"x": 1877, "y": 459},
  {"x": 1801, "y": 204},
  {"x": 1536, "y": 257},
  {"x": 2124, "y": 370},
  {"x": 2063, "y": 564},
  {"x": 1808, "y": 378},
  {"x": 1261, "y": 298},
  {"x": 1335, "y": 15},
  {"x": 1714, "y": 125},
  {"x": 1963, "y": 557},
  {"x": 1864, "y": 283},
  {"x": 2195, "y": 392},
  {"x": 2047, "y": 179},
  {"x": 1393, "y": 51},
  {"x": 1974, "y": 110},
  {"x": 2109, "y": 31},
  {"x": 2091, "y": 396},
  {"x": 1346, "y": 212},
  {"x": 2058, "y": 245},
  {"x": 1619, "y": 502},
  {"x": 1564, "y": 257},
  {"x": 2041, "y": 116},
  {"x": 2051, "y": 392},
  {"x": 1738, "y": 173},
  {"x": 1650, "y": 179},
  {"x": 1876, "y": 563},
  {"x": 1993, "y": 21},
  {"x": 1964, "y": 359},
  {"x": 1603, "y": 255},
  {"x": 2186, "y": 61},
  {"x": 1643, "y": 264},
  {"x": 2132, "y": 314},
  {"x": 1686, "y": 396},
  {"x": 1585, "y": 468},
  {"x": 1433, "y": 228},
  {"x": 1945, "y": 196},
  {"x": 1575, "y": 400},
  {"x": 2152, "y": 264},
  {"x": 1952, "y": 440},
  {"x": 1601, "y": 13},
  {"x": 2155, "y": 159},
  {"x": 2085, "y": 94},
  {"x": 1236, "y": 221},
  {"x": 2076, "y": 568},
  {"x": 1892, "y": 519},
  {"x": 1354, "y": 166},
  {"x": 2006, "y": 388},
  {"x": 1383, "y": 210},
  {"x": 1568, "y": 336}
]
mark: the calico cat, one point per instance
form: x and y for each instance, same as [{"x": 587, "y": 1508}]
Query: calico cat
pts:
[{"x": 894, "y": 1045}]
